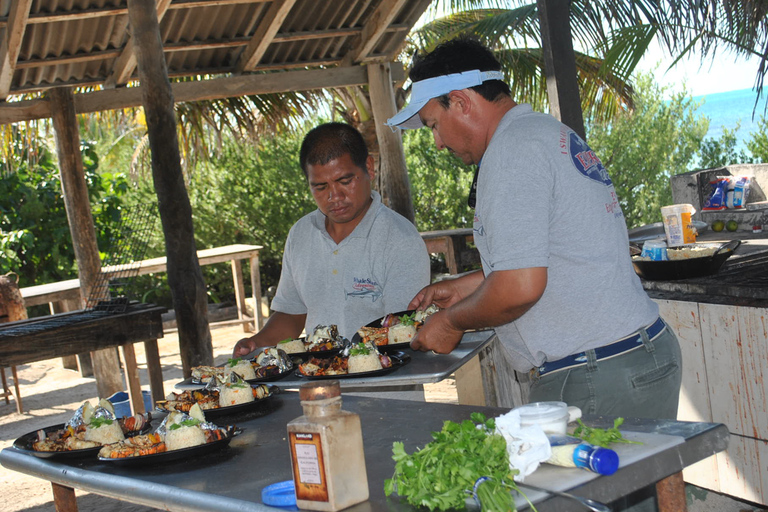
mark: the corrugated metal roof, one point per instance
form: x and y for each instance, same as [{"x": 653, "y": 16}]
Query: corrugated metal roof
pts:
[{"x": 48, "y": 43}]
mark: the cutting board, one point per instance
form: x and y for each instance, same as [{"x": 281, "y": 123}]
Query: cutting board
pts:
[{"x": 562, "y": 479}]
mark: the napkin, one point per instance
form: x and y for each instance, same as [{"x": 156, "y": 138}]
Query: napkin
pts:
[{"x": 527, "y": 446}]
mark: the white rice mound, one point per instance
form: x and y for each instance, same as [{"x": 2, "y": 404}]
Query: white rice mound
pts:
[
  {"x": 243, "y": 368},
  {"x": 686, "y": 253},
  {"x": 231, "y": 395},
  {"x": 105, "y": 434},
  {"x": 401, "y": 333},
  {"x": 184, "y": 437},
  {"x": 364, "y": 363},
  {"x": 292, "y": 347}
]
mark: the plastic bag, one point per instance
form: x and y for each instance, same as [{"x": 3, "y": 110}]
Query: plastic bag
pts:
[{"x": 716, "y": 199}]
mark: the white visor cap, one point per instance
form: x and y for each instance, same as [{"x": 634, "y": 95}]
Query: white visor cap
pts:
[{"x": 424, "y": 90}]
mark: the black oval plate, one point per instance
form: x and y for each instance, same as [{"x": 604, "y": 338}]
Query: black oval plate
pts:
[
  {"x": 306, "y": 356},
  {"x": 171, "y": 455},
  {"x": 269, "y": 378},
  {"x": 387, "y": 349},
  {"x": 399, "y": 359},
  {"x": 219, "y": 412},
  {"x": 25, "y": 442}
]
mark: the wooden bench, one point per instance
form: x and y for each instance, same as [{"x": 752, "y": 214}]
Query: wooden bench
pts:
[{"x": 65, "y": 295}]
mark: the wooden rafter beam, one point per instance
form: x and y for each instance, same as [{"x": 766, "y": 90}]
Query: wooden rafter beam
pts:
[
  {"x": 126, "y": 63},
  {"x": 244, "y": 85},
  {"x": 11, "y": 43},
  {"x": 374, "y": 28},
  {"x": 404, "y": 28},
  {"x": 53, "y": 17},
  {"x": 264, "y": 34}
]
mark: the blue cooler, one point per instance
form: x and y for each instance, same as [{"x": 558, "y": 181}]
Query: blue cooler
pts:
[{"x": 122, "y": 403}]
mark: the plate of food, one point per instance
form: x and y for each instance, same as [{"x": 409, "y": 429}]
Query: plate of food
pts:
[
  {"x": 364, "y": 360},
  {"x": 325, "y": 341},
  {"x": 180, "y": 436},
  {"x": 394, "y": 331},
  {"x": 269, "y": 365},
  {"x": 228, "y": 399},
  {"x": 686, "y": 262},
  {"x": 83, "y": 436}
]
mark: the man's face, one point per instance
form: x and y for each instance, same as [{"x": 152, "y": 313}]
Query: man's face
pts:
[
  {"x": 341, "y": 190},
  {"x": 448, "y": 129}
]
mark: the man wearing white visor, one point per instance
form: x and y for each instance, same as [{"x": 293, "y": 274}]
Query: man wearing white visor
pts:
[{"x": 557, "y": 282}]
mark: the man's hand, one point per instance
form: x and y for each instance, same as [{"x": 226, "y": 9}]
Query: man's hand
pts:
[
  {"x": 437, "y": 334},
  {"x": 244, "y": 347},
  {"x": 447, "y": 292}
]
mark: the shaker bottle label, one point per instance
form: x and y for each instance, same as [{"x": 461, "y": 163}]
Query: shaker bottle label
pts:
[{"x": 308, "y": 467}]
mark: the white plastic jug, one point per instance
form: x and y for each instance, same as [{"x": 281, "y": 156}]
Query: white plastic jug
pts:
[{"x": 677, "y": 224}]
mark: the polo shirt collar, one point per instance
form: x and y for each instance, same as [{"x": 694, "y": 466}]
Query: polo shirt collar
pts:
[{"x": 361, "y": 230}]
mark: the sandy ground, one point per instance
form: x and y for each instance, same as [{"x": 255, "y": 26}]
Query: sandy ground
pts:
[{"x": 51, "y": 394}]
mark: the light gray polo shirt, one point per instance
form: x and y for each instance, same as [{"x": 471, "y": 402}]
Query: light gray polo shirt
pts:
[
  {"x": 544, "y": 199},
  {"x": 375, "y": 270}
]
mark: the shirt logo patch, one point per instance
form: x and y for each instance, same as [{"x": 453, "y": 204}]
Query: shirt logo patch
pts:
[
  {"x": 364, "y": 288},
  {"x": 586, "y": 161}
]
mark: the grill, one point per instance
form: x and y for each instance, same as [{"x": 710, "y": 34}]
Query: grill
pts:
[
  {"x": 740, "y": 281},
  {"x": 110, "y": 317}
]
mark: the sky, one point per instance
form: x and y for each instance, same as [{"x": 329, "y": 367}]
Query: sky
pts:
[{"x": 725, "y": 73}]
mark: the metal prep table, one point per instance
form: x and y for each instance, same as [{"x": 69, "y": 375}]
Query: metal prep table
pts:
[{"x": 232, "y": 478}]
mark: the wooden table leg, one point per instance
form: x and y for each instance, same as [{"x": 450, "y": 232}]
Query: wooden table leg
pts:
[
  {"x": 256, "y": 288},
  {"x": 17, "y": 394},
  {"x": 670, "y": 493},
  {"x": 237, "y": 276},
  {"x": 155, "y": 370},
  {"x": 132, "y": 378},
  {"x": 64, "y": 499}
]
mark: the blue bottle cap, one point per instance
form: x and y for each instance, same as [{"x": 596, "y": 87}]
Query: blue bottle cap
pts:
[
  {"x": 281, "y": 494},
  {"x": 604, "y": 461}
]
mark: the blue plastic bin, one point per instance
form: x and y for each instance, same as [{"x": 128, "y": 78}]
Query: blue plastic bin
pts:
[{"x": 122, "y": 403}]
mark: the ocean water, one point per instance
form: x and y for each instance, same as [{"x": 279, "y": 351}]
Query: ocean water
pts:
[{"x": 731, "y": 109}]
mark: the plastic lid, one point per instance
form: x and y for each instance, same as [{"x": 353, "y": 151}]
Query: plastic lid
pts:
[
  {"x": 604, "y": 461},
  {"x": 281, "y": 494},
  {"x": 319, "y": 390}
]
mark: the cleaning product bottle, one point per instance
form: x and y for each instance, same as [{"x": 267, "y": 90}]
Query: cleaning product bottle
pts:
[{"x": 327, "y": 451}]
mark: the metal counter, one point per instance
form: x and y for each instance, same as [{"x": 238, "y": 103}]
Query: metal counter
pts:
[{"x": 231, "y": 479}]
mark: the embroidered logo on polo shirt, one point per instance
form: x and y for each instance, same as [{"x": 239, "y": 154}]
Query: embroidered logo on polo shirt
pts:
[
  {"x": 586, "y": 161},
  {"x": 364, "y": 288}
]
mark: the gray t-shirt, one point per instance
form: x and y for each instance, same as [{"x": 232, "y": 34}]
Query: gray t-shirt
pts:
[
  {"x": 544, "y": 199},
  {"x": 375, "y": 270}
]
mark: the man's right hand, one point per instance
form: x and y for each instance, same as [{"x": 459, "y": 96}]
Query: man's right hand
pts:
[
  {"x": 447, "y": 292},
  {"x": 244, "y": 347}
]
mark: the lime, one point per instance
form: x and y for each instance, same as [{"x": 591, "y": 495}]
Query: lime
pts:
[
  {"x": 718, "y": 225},
  {"x": 732, "y": 225}
]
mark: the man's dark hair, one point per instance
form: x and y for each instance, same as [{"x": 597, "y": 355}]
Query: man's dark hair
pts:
[
  {"x": 330, "y": 141},
  {"x": 455, "y": 56}
]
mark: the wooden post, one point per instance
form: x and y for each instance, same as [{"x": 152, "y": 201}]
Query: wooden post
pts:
[
  {"x": 394, "y": 174},
  {"x": 190, "y": 300},
  {"x": 670, "y": 494},
  {"x": 560, "y": 64},
  {"x": 106, "y": 365},
  {"x": 64, "y": 499}
]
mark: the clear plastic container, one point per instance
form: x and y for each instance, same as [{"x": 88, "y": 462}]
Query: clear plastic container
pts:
[
  {"x": 677, "y": 224},
  {"x": 551, "y": 416}
]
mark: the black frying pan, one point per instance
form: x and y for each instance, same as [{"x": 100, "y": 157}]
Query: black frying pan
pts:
[{"x": 685, "y": 269}]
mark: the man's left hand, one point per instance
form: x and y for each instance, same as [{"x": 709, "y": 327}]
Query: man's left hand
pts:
[{"x": 437, "y": 334}]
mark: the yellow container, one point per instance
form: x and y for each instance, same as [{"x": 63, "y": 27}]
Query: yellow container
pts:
[{"x": 677, "y": 224}]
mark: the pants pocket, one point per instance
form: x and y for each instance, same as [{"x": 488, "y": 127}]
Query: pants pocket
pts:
[{"x": 668, "y": 371}]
